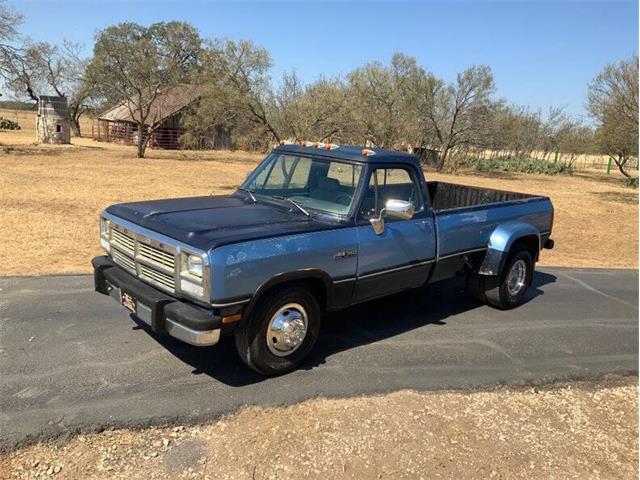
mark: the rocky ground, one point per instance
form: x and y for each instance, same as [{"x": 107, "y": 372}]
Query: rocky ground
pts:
[{"x": 582, "y": 430}]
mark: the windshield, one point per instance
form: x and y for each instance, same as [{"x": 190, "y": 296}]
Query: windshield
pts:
[{"x": 325, "y": 185}]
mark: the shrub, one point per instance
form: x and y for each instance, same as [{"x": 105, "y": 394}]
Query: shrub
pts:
[
  {"x": 632, "y": 182},
  {"x": 524, "y": 165},
  {"x": 6, "y": 124}
]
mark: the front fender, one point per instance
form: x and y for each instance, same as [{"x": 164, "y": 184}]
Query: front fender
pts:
[{"x": 500, "y": 243}]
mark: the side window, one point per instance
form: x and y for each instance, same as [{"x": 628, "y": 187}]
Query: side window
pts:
[
  {"x": 347, "y": 175},
  {"x": 389, "y": 183}
]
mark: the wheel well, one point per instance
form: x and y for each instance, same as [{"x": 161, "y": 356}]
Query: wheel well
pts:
[
  {"x": 315, "y": 285},
  {"x": 531, "y": 243}
]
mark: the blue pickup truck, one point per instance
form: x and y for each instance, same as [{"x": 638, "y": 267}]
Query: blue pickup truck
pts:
[{"x": 315, "y": 227}]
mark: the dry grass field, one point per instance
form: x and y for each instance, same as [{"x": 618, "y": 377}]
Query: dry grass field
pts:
[
  {"x": 52, "y": 195},
  {"x": 581, "y": 431}
]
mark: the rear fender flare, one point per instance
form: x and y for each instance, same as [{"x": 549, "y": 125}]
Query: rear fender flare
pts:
[{"x": 500, "y": 243}]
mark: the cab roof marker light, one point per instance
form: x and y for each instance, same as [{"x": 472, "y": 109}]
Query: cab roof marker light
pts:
[
  {"x": 321, "y": 145},
  {"x": 367, "y": 153}
]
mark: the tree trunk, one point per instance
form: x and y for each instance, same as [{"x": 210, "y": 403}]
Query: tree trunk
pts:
[
  {"x": 621, "y": 161},
  {"x": 142, "y": 140},
  {"x": 75, "y": 126},
  {"x": 442, "y": 158}
]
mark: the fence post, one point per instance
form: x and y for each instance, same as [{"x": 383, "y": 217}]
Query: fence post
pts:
[
  {"x": 609, "y": 166},
  {"x": 556, "y": 159}
]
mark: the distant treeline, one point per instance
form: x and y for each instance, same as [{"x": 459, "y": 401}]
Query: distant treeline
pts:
[
  {"x": 17, "y": 105},
  {"x": 399, "y": 104}
]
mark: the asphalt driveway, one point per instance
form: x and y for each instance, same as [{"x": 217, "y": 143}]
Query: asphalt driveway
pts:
[{"x": 72, "y": 360}]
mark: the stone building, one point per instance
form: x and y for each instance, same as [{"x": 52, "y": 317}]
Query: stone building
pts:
[{"x": 53, "y": 120}]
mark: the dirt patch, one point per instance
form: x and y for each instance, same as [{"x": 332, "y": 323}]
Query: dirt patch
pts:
[
  {"x": 567, "y": 431},
  {"x": 52, "y": 196},
  {"x": 630, "y": 197}
]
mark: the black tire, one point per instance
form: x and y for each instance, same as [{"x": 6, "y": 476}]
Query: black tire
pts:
[
  {"x": 496, "y": 289},
  {"x": 251, "y": 337}
]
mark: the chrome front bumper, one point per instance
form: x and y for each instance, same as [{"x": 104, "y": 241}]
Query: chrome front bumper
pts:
[{"x": 193, "y": 337}]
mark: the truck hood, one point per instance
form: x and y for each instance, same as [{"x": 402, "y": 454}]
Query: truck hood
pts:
[{"x": 208, "y": 222}]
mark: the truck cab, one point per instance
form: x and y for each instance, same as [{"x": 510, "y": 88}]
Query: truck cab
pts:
[{"x": 315, "y": 227}]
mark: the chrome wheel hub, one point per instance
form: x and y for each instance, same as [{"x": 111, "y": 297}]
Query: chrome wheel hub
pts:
[
  {"x": 287, "y": 329},
  {"x": 517, "y": 277}
]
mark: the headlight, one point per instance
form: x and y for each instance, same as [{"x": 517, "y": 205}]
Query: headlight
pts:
[
  {"x": 104, "y": 227},
  {"x": 194, "y": 265},
  {"x": 104, "y": 234},
  {"x": 192, "y": 281}
]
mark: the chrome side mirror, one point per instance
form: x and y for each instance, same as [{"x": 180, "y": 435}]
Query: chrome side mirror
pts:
[
  {"x": 395, "y": 209},
  {"x": 399, "y": 209},
  {"x": 378, "y": 223}
]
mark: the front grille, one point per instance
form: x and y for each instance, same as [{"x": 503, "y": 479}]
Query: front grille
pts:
[
  {"x": 155, "y": 255},
  {"x": 123, "y": 260},
  {"x": 150, "y": 263},
  {"x": 160, "y": 278},
  {"x": 123, "y": 242}
]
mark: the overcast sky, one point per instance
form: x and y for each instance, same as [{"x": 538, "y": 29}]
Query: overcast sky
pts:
[{"x": 541, "y": 53}]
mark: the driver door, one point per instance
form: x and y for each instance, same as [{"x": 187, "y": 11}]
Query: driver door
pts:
[{"x": 401, "y": 257}]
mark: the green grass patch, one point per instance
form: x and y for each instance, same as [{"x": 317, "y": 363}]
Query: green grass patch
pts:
[
  {"x": 524, "y": 165},
  {"x": 6, "y": 124}
]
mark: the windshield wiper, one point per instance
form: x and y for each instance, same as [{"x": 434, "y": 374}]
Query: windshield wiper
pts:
[
  {"x": 293, "y": 202},
  {"x": 250, "y": 192}
]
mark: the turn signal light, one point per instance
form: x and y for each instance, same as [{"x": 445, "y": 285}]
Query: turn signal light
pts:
[{"x": 232, "y": 318}]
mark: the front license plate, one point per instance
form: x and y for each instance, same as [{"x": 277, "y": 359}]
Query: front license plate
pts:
[{"x": 129, "y": 302}]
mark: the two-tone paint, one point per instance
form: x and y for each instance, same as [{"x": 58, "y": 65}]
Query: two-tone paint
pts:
[
  {"x": 252, "y": 247},
  {"x": 402, "y": 257}
]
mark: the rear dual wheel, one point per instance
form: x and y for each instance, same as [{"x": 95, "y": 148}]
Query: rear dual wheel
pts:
[{"x": 508, "y": 289}]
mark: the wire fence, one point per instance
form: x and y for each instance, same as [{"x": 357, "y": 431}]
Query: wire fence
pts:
[
  {"x": 127, "y": 134},
  {"x": 602, "y": 163}
]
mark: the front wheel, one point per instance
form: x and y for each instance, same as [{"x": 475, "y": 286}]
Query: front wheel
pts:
[{"x": 280, "y": 332}]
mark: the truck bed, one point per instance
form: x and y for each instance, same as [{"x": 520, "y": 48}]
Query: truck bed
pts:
[
  {"x": 449, "y": 196},
  {"x": 467, "y": 216}
]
